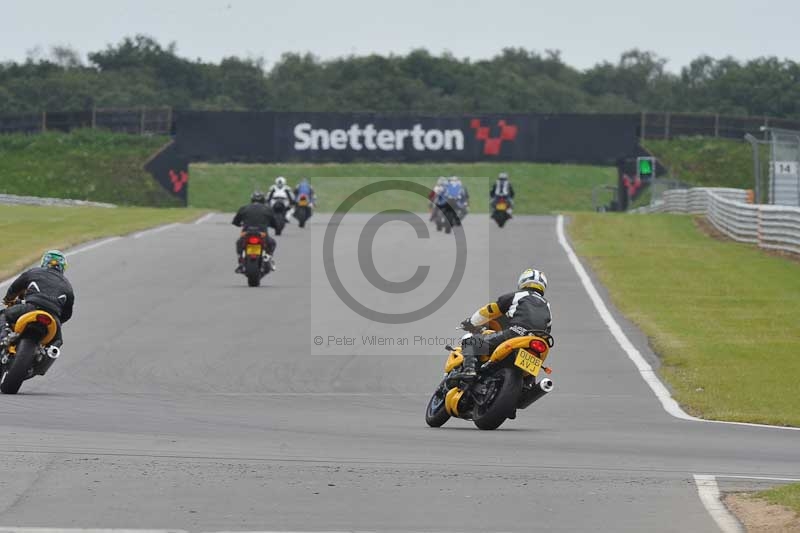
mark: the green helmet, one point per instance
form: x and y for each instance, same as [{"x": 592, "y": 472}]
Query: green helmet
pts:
[{"x": 54, "y": 259}]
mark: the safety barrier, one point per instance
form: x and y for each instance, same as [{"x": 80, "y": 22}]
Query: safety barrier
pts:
[{"x": 770, "y": 226}]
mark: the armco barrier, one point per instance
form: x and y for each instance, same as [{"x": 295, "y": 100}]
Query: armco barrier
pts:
[{"x": 769, "y": 226}]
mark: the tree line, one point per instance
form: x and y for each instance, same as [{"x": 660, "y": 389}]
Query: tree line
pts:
[{"x": 138, "y": 71}]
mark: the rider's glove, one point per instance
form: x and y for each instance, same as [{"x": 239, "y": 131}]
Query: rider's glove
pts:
[
  {"x": 9, "y": 301},
  {"x": 467, "y": 325}
]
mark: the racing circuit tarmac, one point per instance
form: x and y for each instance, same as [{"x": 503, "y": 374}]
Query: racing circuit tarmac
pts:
[{"x": 186, "y": 400}]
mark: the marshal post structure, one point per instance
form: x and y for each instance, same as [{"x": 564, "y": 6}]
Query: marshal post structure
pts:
[{"x": 348, "y": 137}]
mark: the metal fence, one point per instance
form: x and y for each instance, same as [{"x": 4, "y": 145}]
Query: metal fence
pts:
[
  {"x": 769, "y": 226},
  {"x": 670, "y": 125},
  {"x": 784, "y": 168},
  {"x": 141, "y": 121}
]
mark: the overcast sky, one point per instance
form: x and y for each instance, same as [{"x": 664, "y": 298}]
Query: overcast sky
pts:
[{"x": 586, "y": 31}]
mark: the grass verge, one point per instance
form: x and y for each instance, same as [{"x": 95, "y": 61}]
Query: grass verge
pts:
[
  {"x": 709, "y": 162},
  {"x": 722, "y": 315},
  {"x": 82, "y": 165},
  {"x": 539, "y": 188},
  {"x": 786, "y": 495},
  {"x": 28, "y": 231}
]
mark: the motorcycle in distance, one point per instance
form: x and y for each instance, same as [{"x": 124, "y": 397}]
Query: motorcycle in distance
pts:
[
  {"x": 279, "y": 209},
  {"x": 255, "y": 258},
  {"x": 302, "y": 211},
  {"x": 500, "y": 212},
  {"x": 25, "y": 351},
  {"x": 448, "y": 215},
  {"x": 507, "y": 380}
]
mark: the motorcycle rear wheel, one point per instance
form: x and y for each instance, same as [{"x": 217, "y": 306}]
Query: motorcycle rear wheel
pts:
[
  {"x": 504, "y": 403},
  {"x": 12, "y": 377}
]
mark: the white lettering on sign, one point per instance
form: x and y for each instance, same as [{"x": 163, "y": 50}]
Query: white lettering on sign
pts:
[{"x": 306, "y": 137}]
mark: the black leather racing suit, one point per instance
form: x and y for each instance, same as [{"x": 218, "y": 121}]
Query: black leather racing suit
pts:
[
  {"x": 500, "y": 189},
  {"x": 42, "y": 288},
  {"x": 525, "y": 310},
  {"x": 258, "y": 216}
]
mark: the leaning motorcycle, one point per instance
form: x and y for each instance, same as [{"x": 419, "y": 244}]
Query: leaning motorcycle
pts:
[
  {"x": 500, "y": 213},
  {"x": 302, "y": 211},
  {"x": 507, "y": 380},
  {"x": 255, "y": 259},
  {"x": 25, "y": 349}
]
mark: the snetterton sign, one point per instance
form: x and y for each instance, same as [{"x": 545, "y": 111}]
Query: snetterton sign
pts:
[{"x": 369, "y": 138}]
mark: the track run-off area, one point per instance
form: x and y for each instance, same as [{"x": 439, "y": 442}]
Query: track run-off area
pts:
[{"x": 185, "y": 400}]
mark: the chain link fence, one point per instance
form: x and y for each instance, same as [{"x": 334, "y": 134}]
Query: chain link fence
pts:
[
  {"x": 784, "y": 167},
  {"x": 140, "y": 121}
]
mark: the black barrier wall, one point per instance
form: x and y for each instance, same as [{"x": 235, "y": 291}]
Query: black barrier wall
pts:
[{"x": 346, "y": 137}]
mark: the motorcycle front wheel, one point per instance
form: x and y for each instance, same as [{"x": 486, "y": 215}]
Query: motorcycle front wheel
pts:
[{"x": 435, "y": 413}]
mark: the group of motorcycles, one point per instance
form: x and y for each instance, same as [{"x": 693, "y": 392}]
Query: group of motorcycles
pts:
[{"x": 449, "y": 212}]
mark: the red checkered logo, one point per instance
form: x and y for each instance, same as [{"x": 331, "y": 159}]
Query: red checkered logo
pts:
[
  {"x": 178, "y": 179},
  {"x": 491, "y": 145}
]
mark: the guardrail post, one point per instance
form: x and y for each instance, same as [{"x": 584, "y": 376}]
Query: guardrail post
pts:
[
  {"x": 716, "y": 125},
  {"x": 666, "y": 125},
  {"x": 94, "y": 117},
  {"x": 141, "y": 121},
  {"x": 44, "y": 121}
]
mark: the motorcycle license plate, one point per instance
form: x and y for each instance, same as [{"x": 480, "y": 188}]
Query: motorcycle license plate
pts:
[
  {"x": 253, "y": 249},
  {"x": 528, "y": 362},
  {"x": 501, "y": 207}
]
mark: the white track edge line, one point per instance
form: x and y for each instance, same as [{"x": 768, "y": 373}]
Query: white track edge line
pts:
[
  {"x": 68, "y": 253},
  {"x": 645, "y": 370},
  {"x": 709, "y": 495},
  {"x": 204, "y": 218},
  {"x": 157, "y": 229},
  {"x": 92, "y": 246}
]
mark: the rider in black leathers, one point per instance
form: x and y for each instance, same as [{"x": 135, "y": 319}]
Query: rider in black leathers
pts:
[
  {"x": 256, "y": 215},
  {"x": 525, "y": 310},
  {"x": 44, "y": 288}
]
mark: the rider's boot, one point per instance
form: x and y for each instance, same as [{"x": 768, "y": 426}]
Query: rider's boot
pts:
[
  {"x": 240, "y": 268},
  {"x": 468, "y": 372}
]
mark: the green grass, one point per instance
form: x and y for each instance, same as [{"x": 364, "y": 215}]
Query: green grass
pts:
[
  {"x": 539, "y": 188},
  {"x": 708, "y": 162},
  {"x": 786, "y": 495},
  {"x": 28, "y": 231},
  {"x": 723, "y": 316},
  {"x": 82, "y": 165}
]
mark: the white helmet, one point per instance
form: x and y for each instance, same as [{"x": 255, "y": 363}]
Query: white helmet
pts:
[
  {"x": 454, "y": 179},
  {"x": 280, "y": 181},
  {"x": 502, "y": 176},
  {"x": 441, "y": 181},
  {"x": 532, "y": 279}
]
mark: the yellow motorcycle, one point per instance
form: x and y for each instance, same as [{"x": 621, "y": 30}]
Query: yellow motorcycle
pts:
[
  {"x": 507, "y": 380},
  {"x": 25, "y": 351}
]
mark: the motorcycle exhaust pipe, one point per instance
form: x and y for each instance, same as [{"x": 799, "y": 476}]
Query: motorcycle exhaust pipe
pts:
[{"x": 529, "y": 396}]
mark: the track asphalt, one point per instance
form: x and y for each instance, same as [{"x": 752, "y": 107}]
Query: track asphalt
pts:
[{"x": 186, "y": 400}]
